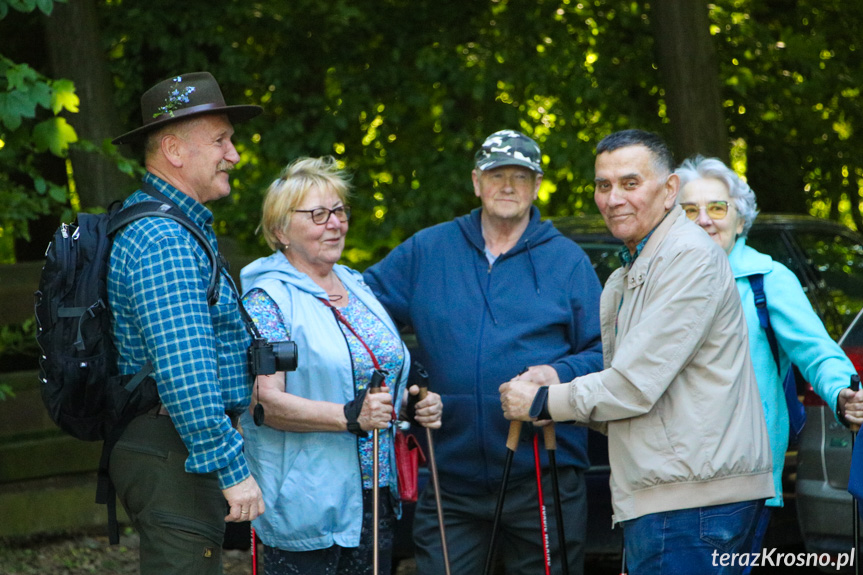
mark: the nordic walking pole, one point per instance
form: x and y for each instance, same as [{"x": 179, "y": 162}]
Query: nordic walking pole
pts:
[
  {"x": 254, "y": 554},
  {"x": 375, "y": 387},
  {"x": 424, "y": 390},
  {"x": 511, "y": 446},
  {"x": 855, "y": 506},
  {"x": 543, "y": 517},
  {"x": 551, "y": 449}
]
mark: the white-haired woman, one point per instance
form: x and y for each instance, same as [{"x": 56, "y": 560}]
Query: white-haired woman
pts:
[
  {"x": 313, "y": 456},
  {"x": 717, "y": 199}
]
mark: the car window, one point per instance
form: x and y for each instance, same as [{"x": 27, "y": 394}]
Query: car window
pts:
[
  {"x": 603, "y": 256},
  {"x": 772, "y": 242},
  {"x": 838, "y": 261},
  {"x": 852, "y": 343}
]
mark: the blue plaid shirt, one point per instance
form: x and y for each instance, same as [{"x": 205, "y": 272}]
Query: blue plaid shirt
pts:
[
  {"x": 157, "y": 283},
  {"x": 626, "y": 258}
]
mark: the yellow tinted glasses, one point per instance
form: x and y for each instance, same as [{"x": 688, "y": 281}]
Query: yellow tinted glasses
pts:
[{"x": 715, "y": 210}]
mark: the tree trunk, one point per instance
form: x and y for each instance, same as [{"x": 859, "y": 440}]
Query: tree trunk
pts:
[
  {"x": 690, "y": 74},
  {"x": 773, "y": 172},
  {"x": 72, "y": 35}
]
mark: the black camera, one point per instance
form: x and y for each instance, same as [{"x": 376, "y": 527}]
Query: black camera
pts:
[{"x": 266, "y": 357}]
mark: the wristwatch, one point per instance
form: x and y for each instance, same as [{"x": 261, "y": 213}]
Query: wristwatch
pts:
[{"x": 539, "y": 407}]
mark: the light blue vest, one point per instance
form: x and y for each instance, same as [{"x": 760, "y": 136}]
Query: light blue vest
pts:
[{"x": 311, "y": 482}]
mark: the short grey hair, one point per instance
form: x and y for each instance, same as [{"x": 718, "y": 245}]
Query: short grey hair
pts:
[
  {"x": 698, "y": 167},
  {"x": 661, "y": 157}
]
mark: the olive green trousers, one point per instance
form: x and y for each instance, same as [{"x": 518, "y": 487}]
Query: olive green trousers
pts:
[{"x": 179, "y": 516}]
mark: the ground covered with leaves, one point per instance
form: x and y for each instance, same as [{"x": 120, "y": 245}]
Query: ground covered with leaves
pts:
[{"x": 88, "y": 553}]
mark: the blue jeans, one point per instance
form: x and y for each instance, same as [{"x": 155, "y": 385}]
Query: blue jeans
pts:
[
  {"x": 700, "y": 540},
  {"x": 760, "y": 531}
]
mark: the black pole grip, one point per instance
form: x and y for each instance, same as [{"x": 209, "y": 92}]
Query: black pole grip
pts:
[{"x": 376, "y": 382}]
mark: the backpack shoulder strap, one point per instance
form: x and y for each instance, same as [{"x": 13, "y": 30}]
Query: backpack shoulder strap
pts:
[
  {"x": 757, "y": 283},
  {"x": 796, "y": 411},
  {"x": 163, "y": 210}
]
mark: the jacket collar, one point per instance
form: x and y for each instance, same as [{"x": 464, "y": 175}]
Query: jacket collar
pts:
[
  {"x": 746, "y": 261},
  {"x": 660, "y": 231},
  {"x": 277, "y": 267},
  {"x": 537, "y": 231},
  {"x": 637, "y": 274}
]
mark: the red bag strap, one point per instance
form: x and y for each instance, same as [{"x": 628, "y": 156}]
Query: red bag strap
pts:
[{"x": 341, "y": 317}]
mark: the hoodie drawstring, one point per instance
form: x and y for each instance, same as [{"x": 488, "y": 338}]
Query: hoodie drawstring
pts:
[
  {"x": 483, "y": 287},
  {"x": 532, "y": 265}
]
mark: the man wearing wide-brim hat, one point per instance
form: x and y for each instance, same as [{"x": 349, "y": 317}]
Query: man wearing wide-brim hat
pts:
[{"x": 175, "y": 467}]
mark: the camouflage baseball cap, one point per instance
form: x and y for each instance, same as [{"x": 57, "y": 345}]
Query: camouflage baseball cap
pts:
[{"x": 509, "y": 148}]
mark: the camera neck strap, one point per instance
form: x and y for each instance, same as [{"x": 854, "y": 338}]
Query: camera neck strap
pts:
[{"x": 248, "y": 322}]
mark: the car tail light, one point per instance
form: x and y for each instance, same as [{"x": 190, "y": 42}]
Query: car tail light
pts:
[
  {"x": 855, "y": 354},
  {"x": 812, "y": 399}
]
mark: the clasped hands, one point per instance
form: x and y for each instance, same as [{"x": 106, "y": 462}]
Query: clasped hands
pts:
[{"x": 517, "y": 394}]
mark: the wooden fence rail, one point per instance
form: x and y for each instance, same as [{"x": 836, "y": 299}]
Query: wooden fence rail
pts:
[{"x": 47, "y": 478}]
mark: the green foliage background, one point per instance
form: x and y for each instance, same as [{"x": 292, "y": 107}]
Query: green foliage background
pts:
[{"x": 403, "y": 91}]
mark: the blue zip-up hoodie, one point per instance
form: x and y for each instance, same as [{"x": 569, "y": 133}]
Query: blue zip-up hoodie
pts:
[
  {"x": 479, "y": 325},
  {"x": 311, "y": 481}
]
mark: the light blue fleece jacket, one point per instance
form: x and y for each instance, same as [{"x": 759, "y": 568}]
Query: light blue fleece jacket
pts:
[
  {"x": 311, "y": 482},
  {"x": 803, "y": 341}
]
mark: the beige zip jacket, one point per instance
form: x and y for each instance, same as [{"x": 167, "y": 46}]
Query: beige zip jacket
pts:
[{"x": 677, "y": 398}]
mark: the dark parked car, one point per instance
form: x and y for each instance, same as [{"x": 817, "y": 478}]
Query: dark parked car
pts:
[{"x": 828, "y": 260}]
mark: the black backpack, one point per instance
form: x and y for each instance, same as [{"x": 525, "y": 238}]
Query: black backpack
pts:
[{"x": 81, "y": 387}]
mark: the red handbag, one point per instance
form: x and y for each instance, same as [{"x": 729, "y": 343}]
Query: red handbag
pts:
[{"x": 409, "y": 455}]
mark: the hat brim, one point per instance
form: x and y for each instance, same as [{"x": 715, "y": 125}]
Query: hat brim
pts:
[
  {"x": 511, "y": 162},
  {"x": 236, "y": 114}
]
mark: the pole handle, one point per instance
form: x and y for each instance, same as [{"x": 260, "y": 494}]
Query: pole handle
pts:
[
  {"x": 513, "y": 436},
  {"x": 376, "y": 382},
  {"x": 549, "y": 437}
]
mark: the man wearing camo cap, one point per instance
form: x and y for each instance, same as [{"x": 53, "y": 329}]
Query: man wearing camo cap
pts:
[{"x": 488, "y": 295}]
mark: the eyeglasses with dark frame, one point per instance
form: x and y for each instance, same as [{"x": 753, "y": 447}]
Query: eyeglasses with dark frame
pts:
[
  {"x": 716, "y": 210},
  {"x": 320, "y": 216}
]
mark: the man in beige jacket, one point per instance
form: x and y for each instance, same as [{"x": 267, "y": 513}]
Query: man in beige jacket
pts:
[{"x": 687, "y": 442}]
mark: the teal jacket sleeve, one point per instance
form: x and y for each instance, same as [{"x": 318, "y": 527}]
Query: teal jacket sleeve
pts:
[{"x": 802, "y": 337}]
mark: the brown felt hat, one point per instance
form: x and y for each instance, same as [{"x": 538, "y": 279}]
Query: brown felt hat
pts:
[{"x": 182, "y": 97}]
